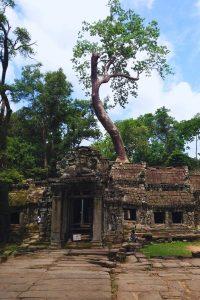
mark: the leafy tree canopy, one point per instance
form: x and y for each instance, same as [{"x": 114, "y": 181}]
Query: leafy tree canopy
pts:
[
  {"x": 157, "y": 139},
  {"x": 13, "y": 41},
  {"x": 50, "y": 120},
  {"x": 126, "y": 48}
]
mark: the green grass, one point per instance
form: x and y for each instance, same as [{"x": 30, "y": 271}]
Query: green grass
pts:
[
  {"x": 8, "y": 248},
  {"x": 176, "y": 248}
]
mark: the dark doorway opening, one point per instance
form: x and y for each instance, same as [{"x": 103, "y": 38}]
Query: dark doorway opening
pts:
[
  {"x": 130, "y": 214},
  {"x": 177, "y": 217},
  {"x": 82, "y": 219},
  {"x": 159, "y": 217},
  {"x": 14, "y": 218}
]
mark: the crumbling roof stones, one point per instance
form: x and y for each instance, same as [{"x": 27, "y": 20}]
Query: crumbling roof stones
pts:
[
  {"x": 28, "y": 194},
  {"x": 133, "y": 183},
  {"x": 154, "y": 186},
  {"x": 194, "y": 179},
  {"x": 168, "y": 175}
]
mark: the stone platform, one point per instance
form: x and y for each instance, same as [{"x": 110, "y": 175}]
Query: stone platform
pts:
[
  {"x": 81, "y": 275},
  {"x": 157, "y": 279},
  {"x": 55, "y": 275}
]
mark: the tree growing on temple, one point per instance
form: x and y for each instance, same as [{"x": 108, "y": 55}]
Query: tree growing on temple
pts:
[
  {"x": 12, "y": 42},
  {"x": 119, "y": 49}
]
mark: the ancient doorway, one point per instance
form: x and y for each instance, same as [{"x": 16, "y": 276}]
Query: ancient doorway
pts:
[{"x": 81, "y": 227}]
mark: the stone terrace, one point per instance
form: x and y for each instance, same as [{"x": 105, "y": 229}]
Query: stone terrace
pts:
[
  {"x": 54, "y": 275},
  {"x": 76, "y": 274},
  {"x": 157, "y": 279}
]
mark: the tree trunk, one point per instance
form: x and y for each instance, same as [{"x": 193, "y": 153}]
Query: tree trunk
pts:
[
  {"x": 44, "y": 140},
  {"x": 5, "y": 115},
  {"x": 103, "y": 116},
  {"x": 3, "y": 143}
]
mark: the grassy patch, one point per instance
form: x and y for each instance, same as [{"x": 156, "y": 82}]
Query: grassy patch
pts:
[
  {"x": 176, "y": 248},
  {"x": 8, "y": 248}
]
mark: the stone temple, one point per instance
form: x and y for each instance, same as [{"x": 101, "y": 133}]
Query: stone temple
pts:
[{"x": 93, "y": 199}]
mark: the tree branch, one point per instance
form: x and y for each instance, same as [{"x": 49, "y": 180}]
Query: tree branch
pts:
[
  {"x": 21, "y": 46},
  {"x": 125, "y": 76},
  {"x": 107, "y": 77},
  {"x": 3, "y": 29},
  {"x": 110, "y": 62}
]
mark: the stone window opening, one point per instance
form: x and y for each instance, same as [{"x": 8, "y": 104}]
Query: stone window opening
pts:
[
  {"x": 15, "y": 218},
  {"x": 130, "y": 214},
  {"x": 159, "y": 217},
  {"x": 177, "y": 217}
]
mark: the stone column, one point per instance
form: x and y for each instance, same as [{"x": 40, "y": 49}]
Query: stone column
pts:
[
  {"x": 197, "y": 210},
  {"x": 168, "y": 218},
  {"x": 97, "y": 220},
  {"x": 65, "y": 218},
  {"x": 56, "y": 221}
]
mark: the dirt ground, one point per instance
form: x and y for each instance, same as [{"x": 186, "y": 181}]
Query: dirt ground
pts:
[{"x": 194, "y": 248}]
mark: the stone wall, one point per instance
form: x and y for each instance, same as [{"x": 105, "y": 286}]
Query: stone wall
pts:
[
  {"x": 27, "y": 206},
  {"x": 148, "y": 195},
  {"x": 124, "y": 194},
  {"x": 45, "y": 212}
]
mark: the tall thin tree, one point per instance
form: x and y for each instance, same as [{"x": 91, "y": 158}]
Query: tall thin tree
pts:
[
  {"x": 12, "y": 42},
  {"x": 120, "y": 48}
]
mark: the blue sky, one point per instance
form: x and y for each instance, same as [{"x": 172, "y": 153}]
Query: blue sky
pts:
[
  {"x": 179, "y": 22},
  {"x": 55, "y": 28}
]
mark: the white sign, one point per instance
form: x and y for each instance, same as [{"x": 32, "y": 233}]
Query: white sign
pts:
[{"x": 76, "y": 237}]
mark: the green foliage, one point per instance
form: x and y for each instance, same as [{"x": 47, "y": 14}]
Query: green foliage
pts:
[
  {"x": 125, "y": 45},
  {"x": 177, "y": 158},
  {"x": 29, "y": 86},
  {"x": 80, "y": 124},
  {"x": 10, "y": 176},
  {"x": 105, "y": 147},
  {"x": 189, "y": 129},
  {"x": 37, "y": 173},
  {"x": 51, "y": 123},
  {"x": 13, "y": 41},
  {"x": 8, "y": 249},
  {"x": 157, "y": 139},
  {"x": 20, "y": 154}
]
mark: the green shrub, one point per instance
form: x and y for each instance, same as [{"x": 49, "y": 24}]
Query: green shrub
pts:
[
  {"x": 37, "y": 173},
  {"x": 11, "y": 176}
]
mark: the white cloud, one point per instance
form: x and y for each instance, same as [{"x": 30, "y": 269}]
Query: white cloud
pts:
[
  {"x": 179, "y": 97},
  {"x": 197, "y": 4},
  {"x": 147, "y": 3},
  {"x": 183, "y": 102},
  {"x": 54, "y": 26}
]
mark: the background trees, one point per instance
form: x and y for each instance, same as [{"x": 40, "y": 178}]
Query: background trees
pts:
[
  {"x": 51, "y": 122},
  {"x": 12, "y": 42},
  {"x": 121, "y": 48},
  {"x": 157, "y": 139}
]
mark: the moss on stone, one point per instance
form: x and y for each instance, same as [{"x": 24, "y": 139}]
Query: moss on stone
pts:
[{"x": 18, "y": 198}]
